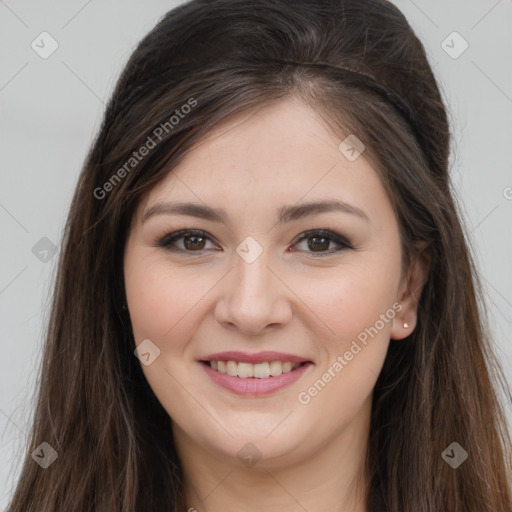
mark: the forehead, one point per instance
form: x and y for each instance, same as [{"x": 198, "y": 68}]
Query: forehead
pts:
[{"x": 280, "y": 153}]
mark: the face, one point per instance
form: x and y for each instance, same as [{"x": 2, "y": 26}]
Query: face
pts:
[{"x": 265, "y": 319}]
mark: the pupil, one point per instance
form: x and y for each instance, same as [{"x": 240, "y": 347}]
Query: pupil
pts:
[
  {"x": 194, "y": 244},
  {"x": 323, "y": 245}
]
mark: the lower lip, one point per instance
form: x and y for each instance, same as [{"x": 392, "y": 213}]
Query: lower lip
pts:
[{"x": 252, "y": 386}]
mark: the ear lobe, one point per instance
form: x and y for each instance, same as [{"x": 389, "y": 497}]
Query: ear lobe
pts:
[{"x": 409, "y": 295}]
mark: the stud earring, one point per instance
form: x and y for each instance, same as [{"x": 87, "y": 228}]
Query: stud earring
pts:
[{"x": 406, "y": 325}]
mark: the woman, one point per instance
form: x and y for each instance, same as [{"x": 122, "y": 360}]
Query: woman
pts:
[{"x": 265, "y": 300}]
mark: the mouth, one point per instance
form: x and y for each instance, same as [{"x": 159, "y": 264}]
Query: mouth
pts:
[
  {"x": 254, "y": 374},
  {"x": 255, "y": 371}
]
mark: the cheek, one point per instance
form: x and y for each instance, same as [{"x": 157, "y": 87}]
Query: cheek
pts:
[
  {"x": 351, "y": 301},
  {"x": 358, "y": 305},
  {"x": 164, "y": 303},
  {"x": 161, "y": 299},
  {"x": 343, "y": 382}
]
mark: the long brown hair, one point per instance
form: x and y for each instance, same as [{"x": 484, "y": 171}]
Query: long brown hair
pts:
[{"x": 359, "y": 65}]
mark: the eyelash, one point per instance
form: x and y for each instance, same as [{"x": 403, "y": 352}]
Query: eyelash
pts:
[{"x": 343, "y": 244}]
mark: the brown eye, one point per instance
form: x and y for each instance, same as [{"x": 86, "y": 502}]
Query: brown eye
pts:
[
  {"x": 188, "y": 240},
  {"x": 318, "y": 242},
  {"x": 193, "y": 242}
]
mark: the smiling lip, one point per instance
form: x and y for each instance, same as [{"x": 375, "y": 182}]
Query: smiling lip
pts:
[
  {"x": 260, "y": 357},
  {"x": 253, "y": 386}
]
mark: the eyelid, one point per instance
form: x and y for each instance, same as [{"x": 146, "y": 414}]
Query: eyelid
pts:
[
  {"x": 167, "y": 239},
  {"x": 327, "y": 233},
  {"x": 342, "y": 243}
]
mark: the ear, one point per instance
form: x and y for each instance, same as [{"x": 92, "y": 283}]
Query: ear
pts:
[{"x": 409, "y": 293}]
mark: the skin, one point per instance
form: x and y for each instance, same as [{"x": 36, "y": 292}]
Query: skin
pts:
[{"x": 209, "y": 299}]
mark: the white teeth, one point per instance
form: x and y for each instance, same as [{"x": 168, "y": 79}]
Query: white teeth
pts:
[
  {"x": 245, "y": 370},
  {"x": 276, "y": 368},
  {"x": 262, "y": 370},
  {"x": 258, "y": 371},
  {"x": 287, "y": 367},
  {"x": 231, "y": 368}
]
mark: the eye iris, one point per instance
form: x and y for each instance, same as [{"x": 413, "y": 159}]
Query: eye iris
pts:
[
  {"x": 323, "y": 245},
  {"x": 195, "y": 244}
]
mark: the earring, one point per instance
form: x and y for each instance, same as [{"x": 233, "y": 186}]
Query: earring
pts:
[{"x": 406, "y": 325}]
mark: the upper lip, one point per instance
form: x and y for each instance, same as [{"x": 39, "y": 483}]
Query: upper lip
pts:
[{"x": 258, "y": 357}]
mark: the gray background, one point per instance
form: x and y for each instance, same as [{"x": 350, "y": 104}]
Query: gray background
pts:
[{"x": 51, "y": 108}]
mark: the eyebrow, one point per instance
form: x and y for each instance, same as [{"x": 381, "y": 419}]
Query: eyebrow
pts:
[{"x": 285, "y": 214}]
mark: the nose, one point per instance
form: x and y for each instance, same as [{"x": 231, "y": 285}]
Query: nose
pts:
[{"x": 253, "y": 299}]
